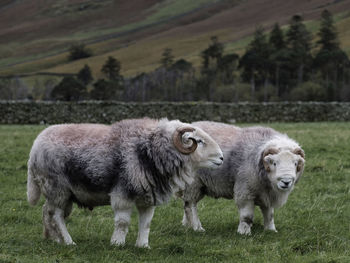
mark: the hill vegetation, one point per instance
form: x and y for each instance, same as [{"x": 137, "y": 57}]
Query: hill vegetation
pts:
[{"x": 137, "y": 34}]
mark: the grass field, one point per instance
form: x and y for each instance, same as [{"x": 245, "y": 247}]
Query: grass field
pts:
[{"x": 312, "y": 227}]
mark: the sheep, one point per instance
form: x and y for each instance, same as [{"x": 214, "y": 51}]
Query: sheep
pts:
[
  {"x": 261, "y": 168},
  {"x": 137, "y": 162}
]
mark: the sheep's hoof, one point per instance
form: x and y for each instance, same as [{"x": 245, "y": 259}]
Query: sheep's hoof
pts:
[
  {"x": 271, "y": 229},
  {"x": 244, "y": 229},
  {"x": 199, "y": 229},
  {"x": 142, "y": 246},
  {"x": 117, "y": 243},
  {"x": 185, "y": 223}
]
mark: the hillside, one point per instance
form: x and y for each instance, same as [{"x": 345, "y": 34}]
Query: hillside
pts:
[{"x": 35, "y": 35}]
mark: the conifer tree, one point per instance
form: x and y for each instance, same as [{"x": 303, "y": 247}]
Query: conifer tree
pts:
[
  {"x": 85, "y": 75},
  {"x": 213, "y": 54},
  {"x": 255, "y": 62},
  {"x": 327, "y": 34},
  {"x": 299, "y": 45},
  {"x": 69, "y": 89},
  {"x": 211, "y": 60},
  {"x": 330, "y": 59},
  {"x": 167, "y": 58},
  {"x": 276, "y": 39},
  {"x": 112, "y": 69},
  {"x": 278, "y": 58}
]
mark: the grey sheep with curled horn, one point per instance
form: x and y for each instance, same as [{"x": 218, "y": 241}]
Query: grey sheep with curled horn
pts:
[
  {"x": 261, "y": 169},
  {"x": 137, "y": 162}
]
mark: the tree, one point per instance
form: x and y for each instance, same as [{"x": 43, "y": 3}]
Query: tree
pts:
[
  {"x": 79, "y": 51},
  {"x": 299, "y": 47},
  {"x": 85, "y": 75},
  {"x": 184, "y": 80},
  {"x": 279, "y": 59},
  {"x": 103, "y": 90},
  {"x": 210, "y": 65},
  {"x": 327, "y": 34},
  {"x": 112, "y": 69},
  {"x": 182, "y": 65},
  {"x": 69, "y": 89},
  {"x": 228, "y": 64},
  {"x": 255, "y": 62},
  {"x": 276, "y": 39},
  {"x": 212, "y": 55},
  {"x": 167, "y": 58},
  {"x": 330, "y": 60}
]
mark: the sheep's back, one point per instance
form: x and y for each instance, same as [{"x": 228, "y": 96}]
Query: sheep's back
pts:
[{"x": 241, "y": 158}]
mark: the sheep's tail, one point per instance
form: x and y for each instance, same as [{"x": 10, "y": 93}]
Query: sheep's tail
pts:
[{"x": 33, "y": 189}]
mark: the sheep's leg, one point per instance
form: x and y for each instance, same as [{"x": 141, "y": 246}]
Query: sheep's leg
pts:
[
  {"x": 196, "y": 223},
  {"x": 122, "y": 215},
  {"x": 121, "y": 226},
  {"x": 68, "y": 209},
  {"x": 61, "y": 225},
  {"x": 145, "y": 218},
  {"x": 49, "y": 228},
  {"x": 269, "y": 223},
  {"x": 54, "y": 225},
  {"x": 191, "y": 197},
  {"x": 191, "y": 218},
  {"x": 186, "y": 219},
  {"x": 246, "y": 216}
]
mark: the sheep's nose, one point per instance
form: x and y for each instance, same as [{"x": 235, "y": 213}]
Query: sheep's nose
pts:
[
  {"x": 221, "y": 158},
  {"x": 286, "y": 181}
]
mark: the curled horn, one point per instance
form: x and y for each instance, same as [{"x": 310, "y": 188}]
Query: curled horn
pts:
[
  {"x": 267, "y": 152},
  {"x": 270, "y": 151},
  {"x": 179, "y": 145},
  {"x": 299, "y": 151}
]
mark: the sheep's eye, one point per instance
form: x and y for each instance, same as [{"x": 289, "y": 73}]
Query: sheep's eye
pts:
[
  {"x": 200, "y": 141},
  {"x": 296, "y": 164}
]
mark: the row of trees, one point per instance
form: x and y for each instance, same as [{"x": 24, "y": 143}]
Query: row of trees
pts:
[
  {"x": 281, "y": 65},
  {"x": 287, "y": 63},
  {"x": 75, "y": 88}
]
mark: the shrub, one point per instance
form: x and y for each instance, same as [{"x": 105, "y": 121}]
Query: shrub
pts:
[
  {"x": 308, "y": 91},
  {"x": 79, "y": 51},
  {"x": 69, "y": 89}
]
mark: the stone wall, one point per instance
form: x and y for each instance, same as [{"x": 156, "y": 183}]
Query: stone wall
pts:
[{"x": 28, "y": 112}]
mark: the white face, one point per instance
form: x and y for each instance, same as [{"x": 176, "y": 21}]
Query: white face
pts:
[
  {"x": 208, "y": 153},
  {"x": 283, "y": 169}
]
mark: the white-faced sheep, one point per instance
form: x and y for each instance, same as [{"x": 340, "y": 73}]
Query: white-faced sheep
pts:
[
  {"x": 261, "y": 167},
  {"x": 133, "y": 162}
]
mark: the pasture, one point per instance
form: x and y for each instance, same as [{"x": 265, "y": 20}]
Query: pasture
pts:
[{"x": 314, "y": 225}]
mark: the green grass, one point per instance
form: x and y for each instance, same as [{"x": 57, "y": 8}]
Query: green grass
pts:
[{"x": 313, "y": 226}]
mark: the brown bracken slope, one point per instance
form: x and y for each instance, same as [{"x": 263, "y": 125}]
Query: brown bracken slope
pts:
[{"x": 35, "y": 28}]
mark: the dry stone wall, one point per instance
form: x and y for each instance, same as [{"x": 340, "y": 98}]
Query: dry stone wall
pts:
[{"x": 28, "y": 112}]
